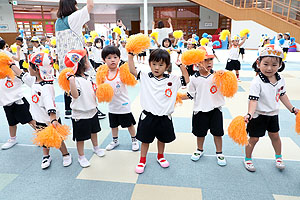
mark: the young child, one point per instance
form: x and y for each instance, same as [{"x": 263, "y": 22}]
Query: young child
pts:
[
  {"x": 124, "y": 55},
  {"x": 15, "y": 105},
  {"x": 37, "y": 47},
  {"x": 287, "y": 42},
  {"x": 119, "y": 108},
  {"x": 84, "y": 105},
  {"x": 279, "y": 36},
  {"x": 265, "y": 92},
  {"x": 207, "y": 111},
  {"x": 141, "y": 57},
  {"x": 158, "y": 96},
  {"x": 42, "y": 104},
  {"x": 89, "y": 47},
  {"x": 96, "y": 51},
  {"x": 191, "y": 44},
  {"x": 210, "y": 45},
  {"x": 169, "y": 47},
  {"x": 233, "y": 62},
  {"x": 23, "y": 52}
]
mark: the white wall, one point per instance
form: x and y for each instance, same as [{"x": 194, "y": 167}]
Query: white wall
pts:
[
  {"x": 128, "y": 15},
  {"x": 150, "y": 17},
  {"x": 208, "y": 17},
  {"x": 7, "y": 20}
]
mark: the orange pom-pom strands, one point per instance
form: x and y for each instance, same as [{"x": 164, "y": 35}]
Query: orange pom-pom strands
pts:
[
  {"x": 5, "y": 71},
  {"x": 101, "y": 74},
  {"x": 237, "y": 131},
  {"x": 137, "y": 43},
  {"x": 298, "y": 123},
  {"x": 63, "y": 82},
  {"x": 193, "y": 56},
  {"x": 104, "y": 93},
  {"x": 126, "y": 77},
  {"x": 179, "y": 98},
  {"x": 226, "y": 82}
]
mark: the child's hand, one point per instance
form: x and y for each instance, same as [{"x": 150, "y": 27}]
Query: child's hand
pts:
[
  {"x": 69, "y": 75},
  {"x": 221, "y": 72},
  {"x": 18, "y": 48},
  {"x": 178, "y": 62},
  {"x": 247, "y": 118},
  {"x": 296, "y": 110},
  {"x": 55, "y": 124}
]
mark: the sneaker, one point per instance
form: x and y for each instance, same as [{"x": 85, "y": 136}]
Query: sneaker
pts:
[
  {"x": 163, "y": 162},
  {"x": 249, "y": 166},
  {"x": 140, "y": 168},
  {"x": 84, "y": 162},
  {"x": 46, "y": 162},
  {"x": 67, "y": 160},
  {"x": 279, "y": 164},
  {"x": 221, "y": 160},
  {"x": 68, "y": 114},
  {"x": 99, "y": 152},
  {"x": 197, "y": 155},
  {"x": 9, "y": 144},
  {"x": 112, "y": 145},
  {"x": 101, "y": 115},
  {"x": 239, "y": 80},
  {"x": 135, "y": 146}
]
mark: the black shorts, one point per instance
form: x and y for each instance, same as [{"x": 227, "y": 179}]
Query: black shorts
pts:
[
  {"x": 190, "y": 70},
  {"x": 233, "y": 65},
  {"x": 21, "y": 64},
  {"x": 204, "y": 121},
  {"x": 96, "y": 65},
  {"x": 285, "y": 50},
  {"x": 152, "y": 126},
  {"x": 242, "y": 51},
  {"x": 16, "y": 114},
  {"x": 83, "y": 128},
  {"x": 123, "y": 120},
  {"x": 142, "y": 54},
  {"x": 214, "y": 52},
  {"x": 257, "y": 127}
]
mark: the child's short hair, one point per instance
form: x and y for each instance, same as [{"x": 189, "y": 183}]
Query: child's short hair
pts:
[
  {"x": 110, "y": 50},
  {"x": 160, "y": 55},
  {"x": 20, "y": 39},
  {"x": 166, "y": 39},
  {"x": 280, "y": 69},
  {"x": 2, "y": 43},
  {"x": 97, "y": 40}
]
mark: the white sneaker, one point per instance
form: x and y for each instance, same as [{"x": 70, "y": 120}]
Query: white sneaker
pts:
[
  {"x": 279, "y": 164},
  {"x": 67, "y": 160},
  {"x": 249, "y": 166},
  {"x": 99, "y": 152},
  {"x": 135, "y": 146},
  {"x": 221, "y": 160},
  {"x": 196, "y": 155},
  {"x": 84, "y": 162},
  {"x": 112, "y": 145},
  {"x": 9, "y": 144},
  {"x": 46, "y": 162}
]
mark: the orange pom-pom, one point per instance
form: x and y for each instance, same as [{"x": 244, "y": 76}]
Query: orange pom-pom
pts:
[
  {"x": 137, "y": 43},
  {"x": 63, "y": 82},
  {"x": 101, "y": 74},
  {"x": 126, "y": 77},
  {"x": 51, "y": 137},
  {"x": 237, "y": 131},
  {"x": 104, "y": 93},
  {"x": 5, "y": 71},
  {"x": 226, "y": 82},
  {"x": 298, "y": 123},
  {"x": 179, "y": 98},
  {"x": 193, "y": 56}
]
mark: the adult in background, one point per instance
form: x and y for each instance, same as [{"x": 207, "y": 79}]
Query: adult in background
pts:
[{"x": 162, "y": 31}]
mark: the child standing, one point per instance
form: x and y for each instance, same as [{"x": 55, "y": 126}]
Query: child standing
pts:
[
  {"x": 37, "y": 47},
  {"x": 210, "y": 45},
  {"x": 233, "y": 62},
  {"x": 287, "y": 42},
  {"x": 42, "y": 105},
  {"x": 96, "y": 51},
  {"x": 158, "y": 96},
  {"x": 265, "y": 92},
  {"x": 119, "y": 108},
  {"x": 23, "y": 52},
  {"x": 84, "y": 106}
]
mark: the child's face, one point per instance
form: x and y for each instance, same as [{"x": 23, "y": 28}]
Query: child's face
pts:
[
  {"x": 190, "y": 46},
  {"x": 279, "y": 37},
  {"x": 286, "y": 37},
  {"x": 123, "y": 44},
  {"x": 18, "y": 42},
  {"x": 167, "y": 43},
  {"x": 99, "y": 45},
  {"x": 158, "y": 68},
  {"x": 89, "y": 44},
  {"x": 210, "y": 39},
  {"x": 112, "y": 61},
  {"x": 207, "y": 64},
  {"x": 268, "y": 66},
  {"x": 235, "y": 42},
  {"x": 35, "y": 44}
]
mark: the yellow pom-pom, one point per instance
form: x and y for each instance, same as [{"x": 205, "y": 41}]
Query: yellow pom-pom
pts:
[
  {"x": 177, "y": 34},
  {"x": 284, "y": 56},
  {"x": 298, "y": 123},
  {"x": 94, "y": 34},
  {"x": 126, "y": 77},
  {"x": 51, "y": 137},
  {"x": 56, "y": 66},
  {"x": 5, "y": 71},
  {"x": 101, "y": 74},
  {"x": 104, "y": 93},
  {"x": 45, "y": 51},
  {"x": 154, "y": 35},
  {"x": 193, "y": 56},
  {"x": 137, "y": 43},
  {"x": 179, "y": 98},
  {"x": 25, "y": 65},
  {"x": 63, "y": 82},
  {"x": 53, "y": 41},
  {"x": 224, "y": 34},
  {"x": 226, "y": 82},
  {"x": 244, "y": 32},
  {"x": 204, "y": 41},
  {"x": 14, "y": 48},
  {"x": 237, "y": 131},
  {"x": 117, "y": 30}
]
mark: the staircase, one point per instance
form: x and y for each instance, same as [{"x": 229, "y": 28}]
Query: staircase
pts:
[{"x": 279, "y": 16}]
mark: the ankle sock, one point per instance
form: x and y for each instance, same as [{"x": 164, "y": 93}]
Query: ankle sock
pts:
[
  {"x": 115, "y": 139},
  {"x": 13, "y": 138},
  {"x": 67, "y": 154},
  {"x": 199, "y": 150},
  {"x": 81, "y": 157},
  {"x": 95, "y": 148},
  {"x": 159, "y": 156},
  {"x": 247, "y": 159},
  {"x": 143, "y": 160},
  {"x": 238, "y": 75},
  {"x": 133, "y": 139},
  {"x": 219, "y": 152},
  {"x": 47, "y": 156},
  {"x": 278, "y": 156}
]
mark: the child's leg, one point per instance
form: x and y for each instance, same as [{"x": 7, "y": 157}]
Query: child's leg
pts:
[
  {"x": 13, "y": 131},
  {"x": 63, "y": 149},
  {"x": 46, "y": 158},
  {"x": 135, "y": 145},
  {"x": 80, "y": 148},
  {"x": 131, "y": 130},
  {"x": 160, "y": 148},
  {"x": 46, "y": 151},
  {"x": 218, "y": 143},
  {"x": 94, "y": 139},
  {"x": 115, "y": 142},
  {"x": 200, "y": 142},
  {"x": 114, "y": 132},
  {"x": 97, "y": 150},
  {"x": 249, "y": 148},
  {"x": 144, "y": 150},
  {"x": 237, "y": 73},
  {"x": 276, "y": 142}
]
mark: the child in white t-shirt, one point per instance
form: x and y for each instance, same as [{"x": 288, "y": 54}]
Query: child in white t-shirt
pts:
[
  {"x": 37, "y": 47},
  {"x": 96, "y": 51},
  {"x": 23, "y": 53}
]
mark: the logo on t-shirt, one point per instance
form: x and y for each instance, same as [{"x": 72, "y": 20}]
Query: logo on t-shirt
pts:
[
  {"x": 9, "y": 84},
  {"x": 168, "y": 92},
  {"x": 213, "y": 89},
  {"x": 35, "y": 98}
]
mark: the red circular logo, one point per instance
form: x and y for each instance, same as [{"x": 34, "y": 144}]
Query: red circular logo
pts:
[
  {"x": 9, "y": 84},
  {"x": 168, "y": 92},
  {"x": 277, "y": 97},
  {"x": 213, "y": 89},
  {"x": 94, "y": 87},
  {"x": 35, "y": 98}
]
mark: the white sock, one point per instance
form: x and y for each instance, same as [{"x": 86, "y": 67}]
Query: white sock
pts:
[
  {"x": 96, "y": 148},
  {"x": 81, "y": 157},
  {"x": 13, "y": 138}
]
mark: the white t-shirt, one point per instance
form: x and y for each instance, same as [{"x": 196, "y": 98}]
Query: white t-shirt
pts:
[
  {"x": 158, "y": 96},
  {"x": 124, "y": 55},
  {"x": 234, "y": 53},
  {"x": 53, "y": 52},
  {"x": 23, "y": 51},
  {"x": 77, "y": 19},
  {"x": 120, "y": 103},
  {"x": 85, "y": 106},
  {"x": 97, "y": 54},
  {"x": 267, "y": 94},
  {"x": 42, "y": 100},
  {"x": 286, "y": 44},
  {"x": 205, "y": 93},
  {"x": 38, "y": 49},
  {"x": 162, "y": 33},
  {"x": 210, "y": 44}
]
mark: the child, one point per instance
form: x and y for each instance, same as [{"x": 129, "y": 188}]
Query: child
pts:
[
  {"x": 42, "y": 104},
  {"x": 141, "y": 56},
  {"x": 119, "y": 108},
  {"x": 279, "y": 37},
  {"x": 191, "y": 44},
  {"x": 23, "y": 52},
  {"x": 169, "y": 47},
  {"x": 265, "y": 92},
  {"x": 233, "y": 62},
  {"x": 96, "y": 51},
  {"x": 207, "y": 111},
  {"x": 89, "y": 47},
  {"x": 210, "y": 45},
  {"x": 124, "y": 55},
  {"x": 37, "y": 47},
  {"x": 158, "y": 96},
  {"x": 287, "y": 42},
  {"x": 84, "y": 105},
  {"x": 14, "y": 103}
]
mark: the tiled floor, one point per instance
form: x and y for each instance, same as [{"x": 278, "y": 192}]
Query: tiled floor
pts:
[{"x": 113, "y": 176}]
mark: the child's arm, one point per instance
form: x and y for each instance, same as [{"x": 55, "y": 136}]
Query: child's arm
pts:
[
  {"x": 153, "y": 25},
  {"x": 251, "y": 109},
  {"x": 73, "y": 87},
  {"x": 229, "y": 41},
  {"x": 175, "y": 42},
  {"x": 131, "y": 64},
  {"x": 185, "y": 73},
  {"x": 285, "y": 100},
  {"x": 16, "y": 69},
  {"x": 53, "y": 120},
  {"x": 243, "y": 41},
  {"x": 17, "y": 57}
]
